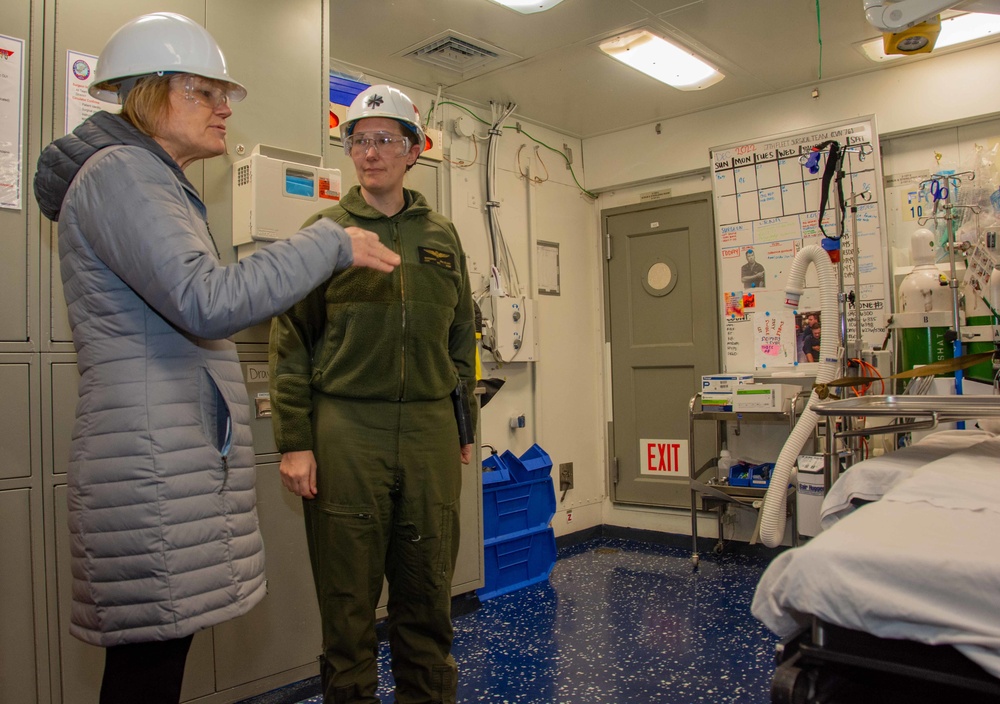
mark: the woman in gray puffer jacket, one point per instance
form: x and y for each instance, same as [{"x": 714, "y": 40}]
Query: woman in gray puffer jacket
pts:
[{"x": 162, "y": 508}]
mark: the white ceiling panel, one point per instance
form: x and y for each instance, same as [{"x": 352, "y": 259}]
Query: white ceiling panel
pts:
[{"x": 547, "y": 62}]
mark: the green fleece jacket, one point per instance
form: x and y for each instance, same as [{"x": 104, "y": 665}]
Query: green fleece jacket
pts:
[{"x": 404, "y": 336}]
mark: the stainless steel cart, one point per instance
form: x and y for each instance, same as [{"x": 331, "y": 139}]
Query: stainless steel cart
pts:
[{"x": 709, "y": 492}]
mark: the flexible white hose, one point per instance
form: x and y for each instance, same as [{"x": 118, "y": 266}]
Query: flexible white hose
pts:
[{"x": 772, "y": 519}]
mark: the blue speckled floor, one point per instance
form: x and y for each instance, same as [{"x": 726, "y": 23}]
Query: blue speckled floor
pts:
[{"x": 619, "y": 621}]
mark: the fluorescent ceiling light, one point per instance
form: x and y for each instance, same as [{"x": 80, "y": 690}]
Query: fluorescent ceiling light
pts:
[
  {"x": 528, "y": 6},
  {"x": 954, "y": 30},
  {"x": 664, "y": 61}
]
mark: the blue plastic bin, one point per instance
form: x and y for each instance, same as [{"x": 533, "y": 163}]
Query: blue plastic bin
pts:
[
  {"x": 343, "y": 91},
  {"x": 495, "y": 472},
  {"x": 517, "y": 561},
  {"x": 537, "y": 461},
  {"x": 516, "y": 507},
  {"x": 739, "y": 474},
  {"x": 533, "y": 464}
]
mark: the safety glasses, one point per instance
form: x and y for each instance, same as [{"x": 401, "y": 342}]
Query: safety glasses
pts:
[
  {"x": 384, "y": 143},
  {"x": 201, "y": 92}
]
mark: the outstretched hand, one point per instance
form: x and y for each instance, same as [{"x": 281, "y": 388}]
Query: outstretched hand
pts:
[{"x": 369, "y": 252}]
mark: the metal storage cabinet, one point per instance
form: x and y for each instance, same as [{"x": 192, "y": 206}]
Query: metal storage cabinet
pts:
[
  {"x": 20, "y": 399},
  {"x": 23, "y": 663},
  {"x": 19, "y": 599}
]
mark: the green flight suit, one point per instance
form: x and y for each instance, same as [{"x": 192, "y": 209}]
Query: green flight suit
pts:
[{"x": 362, "y": 373}]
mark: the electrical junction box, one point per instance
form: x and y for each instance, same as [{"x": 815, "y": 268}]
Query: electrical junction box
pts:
[
  {"x": 513, "y": 320},
  {"x": 275, "y": 191}
]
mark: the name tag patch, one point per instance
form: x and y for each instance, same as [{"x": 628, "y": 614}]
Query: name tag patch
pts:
[{"x": 436, "y": 257}]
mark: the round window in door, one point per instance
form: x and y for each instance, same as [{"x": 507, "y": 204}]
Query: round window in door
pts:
[{"x": 660, "y": 278}]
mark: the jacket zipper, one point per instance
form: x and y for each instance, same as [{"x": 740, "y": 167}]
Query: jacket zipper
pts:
[
  {"x": 402, "y": 306},
  {"x": 227, "y": 447}
]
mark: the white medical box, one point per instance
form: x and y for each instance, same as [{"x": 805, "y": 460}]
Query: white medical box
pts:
[
  {"x": 275, "y": 191},
  {"x": 717, "y": 401},
  {"x": 724, "y": 382},
  {"x": 764, "y": 397}
]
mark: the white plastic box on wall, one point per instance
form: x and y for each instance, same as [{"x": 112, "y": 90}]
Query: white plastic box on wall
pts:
[
  {"x": 514, "y": 323},
  {"x": 274, "y": 191}
]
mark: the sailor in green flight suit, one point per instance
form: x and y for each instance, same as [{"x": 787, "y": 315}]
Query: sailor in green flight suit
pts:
[{"x": 363, "y": 374}]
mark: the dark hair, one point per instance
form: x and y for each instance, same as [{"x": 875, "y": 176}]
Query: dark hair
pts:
[{"x": 410, "y": 135}]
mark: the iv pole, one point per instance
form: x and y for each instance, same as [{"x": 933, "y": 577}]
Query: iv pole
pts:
[
  {"x": 862, "y": 150},
  {"x": 940, "y": 186}
]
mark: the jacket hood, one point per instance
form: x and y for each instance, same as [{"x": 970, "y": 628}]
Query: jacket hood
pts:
[{"x": 63, "y": 158}]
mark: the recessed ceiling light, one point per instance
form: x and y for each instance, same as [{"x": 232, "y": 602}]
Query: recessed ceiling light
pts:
[
  {"x": 954, "y": 30},
  {"x": 527, "y": 7},
  {"x": 663, "y": 60}
]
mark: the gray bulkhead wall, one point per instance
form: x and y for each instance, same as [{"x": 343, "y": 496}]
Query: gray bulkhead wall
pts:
[
  {"x": 280, "y": 52},
  {"x": 23, "y": 643}
]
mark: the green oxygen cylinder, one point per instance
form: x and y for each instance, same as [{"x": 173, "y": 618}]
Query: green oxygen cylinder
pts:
[{"x": 925, "y": 311}]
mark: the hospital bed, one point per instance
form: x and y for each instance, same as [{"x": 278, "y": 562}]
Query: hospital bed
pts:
[{"x": 898, "y": 600}]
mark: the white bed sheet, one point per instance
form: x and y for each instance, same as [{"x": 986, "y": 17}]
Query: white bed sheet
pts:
[
  {"x": 871, "y": 479},
  {"x": 922, "y": 564}
]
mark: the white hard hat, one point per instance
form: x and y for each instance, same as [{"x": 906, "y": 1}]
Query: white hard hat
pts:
[
  {"x": 161, "y": 42},
  {"x": 384, "y": 101}
]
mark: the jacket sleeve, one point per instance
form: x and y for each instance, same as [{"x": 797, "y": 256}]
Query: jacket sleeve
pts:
[
  {"x": 294, "y": 336},
  {"x": 462, "y": 338},
  {"x": 137, "y": 218}
]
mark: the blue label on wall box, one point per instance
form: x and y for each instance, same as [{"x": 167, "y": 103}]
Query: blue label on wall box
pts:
[{"x": 300, "y": 183}]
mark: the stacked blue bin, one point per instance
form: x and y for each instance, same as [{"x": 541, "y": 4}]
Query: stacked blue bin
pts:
[
  {"x": 519, "y": 501},
  {"x": 344, "y": 90}
]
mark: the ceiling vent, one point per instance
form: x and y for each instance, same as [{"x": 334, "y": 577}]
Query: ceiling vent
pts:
[{"x": 458, "y": 53}]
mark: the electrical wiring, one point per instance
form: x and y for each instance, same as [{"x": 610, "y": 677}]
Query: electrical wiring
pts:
[
  {"x": 533, "y": 179},
  {"x": 569, "y": 165},
  {"x": 465, "y": 164},
  {"x": 504, "y": 268},
  {"x": 819, "y": 39},
  {"x": 869, "y": 371}
]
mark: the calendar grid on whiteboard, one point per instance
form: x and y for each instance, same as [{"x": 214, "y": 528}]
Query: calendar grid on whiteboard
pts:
[{"x": 766, "y": 205}]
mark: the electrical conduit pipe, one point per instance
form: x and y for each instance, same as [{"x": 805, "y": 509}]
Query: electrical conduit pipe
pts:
[{"x": 772, "y": 519}]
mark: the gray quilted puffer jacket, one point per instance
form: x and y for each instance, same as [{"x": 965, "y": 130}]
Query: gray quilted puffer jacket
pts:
[{"x": 162, "y": 508}]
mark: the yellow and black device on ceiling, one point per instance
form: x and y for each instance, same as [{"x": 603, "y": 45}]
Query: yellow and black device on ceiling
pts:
[{"x": 918, "y": 39}]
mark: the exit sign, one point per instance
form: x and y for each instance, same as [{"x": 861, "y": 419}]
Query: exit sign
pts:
[{"x": 664, "y": 458}]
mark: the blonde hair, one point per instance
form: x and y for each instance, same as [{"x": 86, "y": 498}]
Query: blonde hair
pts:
[{"x": 148, "y": 103}]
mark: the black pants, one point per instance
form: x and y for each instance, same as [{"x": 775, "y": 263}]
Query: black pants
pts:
[{"x": 150, "y": 673}]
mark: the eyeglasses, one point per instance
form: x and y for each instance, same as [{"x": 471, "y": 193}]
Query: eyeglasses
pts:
[
  {"x": 385, "y": 144},
  {"x": 201, "y": 92}
]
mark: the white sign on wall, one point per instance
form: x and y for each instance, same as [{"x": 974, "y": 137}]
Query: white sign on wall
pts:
[
  {"x": 79, "y": 104},
  {"x": 11, "y": 122},
  {"x": 664, "y": 458}
]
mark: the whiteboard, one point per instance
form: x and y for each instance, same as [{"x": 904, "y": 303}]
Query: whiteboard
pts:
[{"x": 766, "y": 205}]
